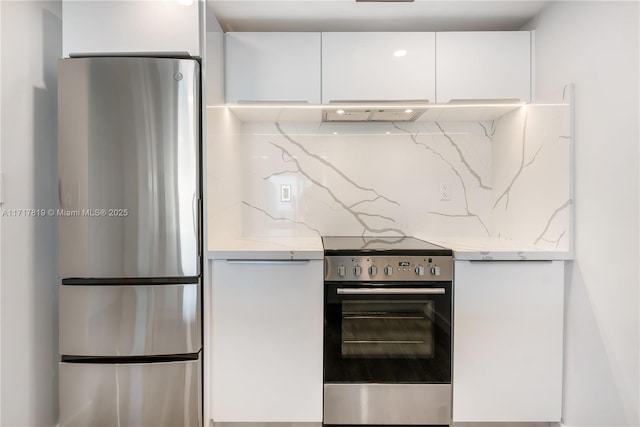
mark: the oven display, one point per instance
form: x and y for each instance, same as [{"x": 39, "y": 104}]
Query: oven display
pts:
[{"x": 404, "y": 264}]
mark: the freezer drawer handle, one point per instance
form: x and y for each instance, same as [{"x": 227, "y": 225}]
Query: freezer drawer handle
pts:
[{"x": 107, "y": 360}]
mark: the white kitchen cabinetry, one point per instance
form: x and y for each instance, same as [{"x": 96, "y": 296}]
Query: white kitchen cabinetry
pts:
[
  {"x": 282, "y": 67},
  {"x": 508, "y": 323},
  {"x": 127, "y": 27},
  {"x": 368, "y": 66},
  {"x": 483, "y": 65},
  {"x": 266, "y": 323}
]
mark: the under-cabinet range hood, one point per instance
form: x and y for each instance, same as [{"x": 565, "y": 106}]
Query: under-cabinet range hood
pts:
[{"x": 391, "y": 114}]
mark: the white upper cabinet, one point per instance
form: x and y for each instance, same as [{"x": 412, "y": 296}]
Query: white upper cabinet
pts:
[
  {"x": 378, "y": 66},
  {"x": 483, "y": 65},
  {"x": 283, "y": 67},
  {"x": 130, "y": 27}
]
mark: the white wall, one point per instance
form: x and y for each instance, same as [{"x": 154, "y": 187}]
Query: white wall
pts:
[
  {"x": 0, "y": 208},
  {"x": 595, "y": 45},
  {"x": 31, "y": 36},
  {"x": 223, "y": 162}
]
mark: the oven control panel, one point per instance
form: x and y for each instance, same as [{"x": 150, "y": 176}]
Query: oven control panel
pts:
[{"x": 388, "y": 268}]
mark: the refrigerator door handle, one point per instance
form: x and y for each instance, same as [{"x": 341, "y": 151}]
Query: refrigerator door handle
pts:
[
  {"x": 60, "y": 203},
  {"x": 198, "y": 220},
  {"x": 195, "y": 202}
]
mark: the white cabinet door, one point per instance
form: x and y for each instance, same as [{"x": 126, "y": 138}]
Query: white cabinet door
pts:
[
  {"x": 267, "y": 321},
  {"x": 507, "y": 352},
  {"x": 483, "y": 65},
  {"x": 141, "y": 27},
  {"x": 369, "y": 66},
  {"x": 281, "y": 67}
]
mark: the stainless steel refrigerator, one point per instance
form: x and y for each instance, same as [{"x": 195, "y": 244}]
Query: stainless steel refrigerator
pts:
[{"x": 129, "y": 169}]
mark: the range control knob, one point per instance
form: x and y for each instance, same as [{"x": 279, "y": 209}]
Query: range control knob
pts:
[
  {"x": 420, "y": 270},
  {"x": 435, "y": 270},
  {"x": 373, "y": 270},
  {"x": 357, "y": 270},
  {"x": 388, "y": 270},
  {"x": 342, "y": 271}
]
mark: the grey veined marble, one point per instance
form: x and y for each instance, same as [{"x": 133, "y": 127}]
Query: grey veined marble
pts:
[{"x": 507, "y": 179}]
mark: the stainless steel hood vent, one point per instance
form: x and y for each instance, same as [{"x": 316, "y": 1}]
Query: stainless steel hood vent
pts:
[{"x": 372, "y": 114}]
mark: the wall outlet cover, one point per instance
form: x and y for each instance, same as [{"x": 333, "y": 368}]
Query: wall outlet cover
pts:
[
  {"x": 285, "y": 193},
  {"x": 445, "y": 192}
]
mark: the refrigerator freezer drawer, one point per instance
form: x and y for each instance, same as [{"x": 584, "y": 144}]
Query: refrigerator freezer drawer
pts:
[
  {"x": 129, "y": 320},
  {"x": 127, "y": 395},
  {"x": 129, "y": 167}
]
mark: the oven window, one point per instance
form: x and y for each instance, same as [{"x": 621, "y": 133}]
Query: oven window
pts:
[
  {"x": 397, "y": 336},
  {"x": 387, "y": 329}
]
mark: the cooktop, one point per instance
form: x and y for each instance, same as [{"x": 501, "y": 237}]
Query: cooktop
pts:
[{"x": 386, "y": 245}]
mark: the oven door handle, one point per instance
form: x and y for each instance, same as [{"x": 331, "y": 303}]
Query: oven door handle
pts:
[{"x": 392, "y": 291}]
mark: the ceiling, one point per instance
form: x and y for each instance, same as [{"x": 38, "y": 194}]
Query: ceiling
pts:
[{"x": 348, "y": 15}]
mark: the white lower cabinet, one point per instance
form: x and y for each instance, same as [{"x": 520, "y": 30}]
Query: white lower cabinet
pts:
[
  {"x": 266, "y": 339},
  {"x": 508, "y": 331}
]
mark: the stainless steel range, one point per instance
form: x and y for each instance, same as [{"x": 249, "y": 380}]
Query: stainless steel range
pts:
[{"x": 387, "y": 337}]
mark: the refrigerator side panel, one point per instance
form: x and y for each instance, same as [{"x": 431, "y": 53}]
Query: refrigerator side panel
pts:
[
  {"x": 146, "y": 394},
  {"x": 123, "y": 321},
  {"x": 129, "y": 144}
]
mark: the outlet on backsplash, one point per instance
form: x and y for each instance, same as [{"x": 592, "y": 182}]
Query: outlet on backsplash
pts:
[
  {"x": 285, "y": 193},
  {"x": 445, "y": 192}
]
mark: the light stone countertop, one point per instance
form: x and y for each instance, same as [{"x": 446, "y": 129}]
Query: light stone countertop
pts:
[
  {"x": 267, "y": 248},
  {"x": 499, "y": 250},
  {"x": 298, "y": 248}
]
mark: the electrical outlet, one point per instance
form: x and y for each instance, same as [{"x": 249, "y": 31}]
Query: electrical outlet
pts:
[
  {"x": 445, "y": 192},
  {"x": 285, "y": 193}
]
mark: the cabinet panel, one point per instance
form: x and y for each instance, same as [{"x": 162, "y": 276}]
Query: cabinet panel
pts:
[
  {"x": 483, "y": 65},
  {"x": 508, "y": 323},
  {"x": 101, "y": 27},
  {"x": 267, "y": 337},
  {"x": 272, "y": 67},
  {"x": 364, "y": 66}
]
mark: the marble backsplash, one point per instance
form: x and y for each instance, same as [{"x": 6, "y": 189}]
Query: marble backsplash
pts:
[
  {"x": 532, "y": 159},
  {"x": 508, "y": 178}
]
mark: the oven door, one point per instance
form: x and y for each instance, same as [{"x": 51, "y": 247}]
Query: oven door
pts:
[{"x": 387, "y": 332}]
